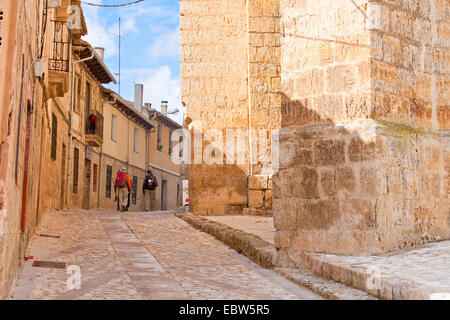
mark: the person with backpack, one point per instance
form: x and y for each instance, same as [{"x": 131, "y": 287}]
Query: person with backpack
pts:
[
  {"x": 123, "y": 187},
  {"x": 148, "y": 188}
]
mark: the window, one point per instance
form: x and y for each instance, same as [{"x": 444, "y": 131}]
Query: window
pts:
[
  {"x": 159, "y": 141},
  {"x": 76, "y": 156},
  {"x": 108, "y": 181},
  {"x": 136, "y": 140},
  {"x": 78, "y": 95},
  {"x": 88, "y": 98},
  {"x": 170, "y": 143},
  {"x": 54, "y": 136},
  {"x": 114, "y": 128},
  {"x": 94, "y": 179},
  {"x": 133, "y": 195}
]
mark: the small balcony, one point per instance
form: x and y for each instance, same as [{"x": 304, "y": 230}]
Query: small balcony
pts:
[
  {"x": 59, "y": 60},
  {"x": 94, "y": 130}
]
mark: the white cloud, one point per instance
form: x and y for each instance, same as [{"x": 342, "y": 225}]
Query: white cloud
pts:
[
  {"x": 167, "y": 45},
  {"x": 98, "y": 35},
  {"x": 159, "y": 84}
]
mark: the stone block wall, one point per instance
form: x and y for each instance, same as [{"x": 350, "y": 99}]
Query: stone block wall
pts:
[
  {"x": 366, "y": 187},
  {"x": 410, "y": 62},
  {"x": 259, "y": 195},
  {"x": 360, "y": 91},
  {"x": 214, "y": 88},
  {"x": 18, "y": 138},
  {"x": 363, "y": 147},
  {"x": 230, "y": 70}
]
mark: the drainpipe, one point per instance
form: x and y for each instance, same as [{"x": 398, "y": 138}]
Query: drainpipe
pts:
[{"x": 72, "y": 93}]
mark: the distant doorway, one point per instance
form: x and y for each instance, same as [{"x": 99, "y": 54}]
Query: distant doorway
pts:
[
  {"x": 63, "y": 178},
  {"x": 87, "y": 184},
  {"x": 164, "y": 195}
]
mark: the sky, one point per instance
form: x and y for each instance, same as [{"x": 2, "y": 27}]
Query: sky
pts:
[{"x": 150, "y": 51}]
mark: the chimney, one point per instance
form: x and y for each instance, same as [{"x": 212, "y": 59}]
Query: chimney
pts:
[
  {"x": 164, "y": 106},
  {"x": 100, "y": 51},
  {"x": 138, "y": 96},
  {"x": 147, "y": 109}
]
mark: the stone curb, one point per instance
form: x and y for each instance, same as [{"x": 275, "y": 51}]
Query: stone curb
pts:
[
  {"x": 253, "y": 247},
  {"x": 265, "y": 254},
  {"x": 326, "y": 288},
  {"x": 385, "y": 288}
]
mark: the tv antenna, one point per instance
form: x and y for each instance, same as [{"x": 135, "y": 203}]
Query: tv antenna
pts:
[{"x": 120, "y": 37}]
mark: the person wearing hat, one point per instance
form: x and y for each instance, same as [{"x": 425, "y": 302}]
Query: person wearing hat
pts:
[{"x": 122, "y": 188}]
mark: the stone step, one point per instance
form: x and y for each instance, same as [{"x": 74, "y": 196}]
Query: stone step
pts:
[
  {"x": 326, "y": 288},
  {"x": 265, "y": 254},
  {"x": 383, "y": 286}
]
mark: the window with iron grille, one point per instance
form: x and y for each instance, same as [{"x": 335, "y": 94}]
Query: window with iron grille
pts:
[
  {"x": 133, "y": 196},
  {"x": 108, "y": 181},
  {"x": 54, "y": 136},
  {"x": 60, "y": 54},
  {"x": 76, "y": 156}
]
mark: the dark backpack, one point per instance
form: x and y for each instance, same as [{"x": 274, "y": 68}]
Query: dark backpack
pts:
[{"x": 150, "y": 182}]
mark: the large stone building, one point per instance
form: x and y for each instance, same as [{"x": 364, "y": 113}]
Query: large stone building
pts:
[
  {"x": 360, "y": 92},
  {"x": 163, "y": 160}
]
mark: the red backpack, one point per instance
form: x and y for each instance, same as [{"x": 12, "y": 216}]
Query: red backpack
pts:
[{"x": 121, "y": 182}]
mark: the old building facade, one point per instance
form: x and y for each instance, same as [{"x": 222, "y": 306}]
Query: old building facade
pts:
[
  {"x": 126, "y": 133},
  {"x": 359, "y": 91},
  {"x": 45, "y": 137},
  {"x": 162, "y": 160}
]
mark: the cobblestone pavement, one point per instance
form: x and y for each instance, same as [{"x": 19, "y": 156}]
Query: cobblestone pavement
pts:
[
  {"x": 142, "y": 256},
  {"x": 425, "y": 267}
]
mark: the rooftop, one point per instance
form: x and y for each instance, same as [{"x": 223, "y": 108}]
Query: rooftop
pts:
[
  {"x": 127, "y": 108},
  {"x": 96, "y": 66}
]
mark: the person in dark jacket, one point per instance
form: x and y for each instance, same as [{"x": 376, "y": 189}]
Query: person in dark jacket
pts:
[{"x": 149, "y": 189}]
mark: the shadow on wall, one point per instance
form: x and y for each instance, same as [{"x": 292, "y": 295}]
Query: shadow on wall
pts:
[
  {"x": 215, "y": 189},
  {"x": 361, "y": 187}
]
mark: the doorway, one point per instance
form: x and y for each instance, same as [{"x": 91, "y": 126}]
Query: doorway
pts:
[
  {"x": 87, "y": 184},
  {"x": 62, "y": 196},
  {"x": 164, "y": 195}
]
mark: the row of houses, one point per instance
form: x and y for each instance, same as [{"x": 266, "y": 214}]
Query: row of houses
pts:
[{"x": 51, "y": 155}]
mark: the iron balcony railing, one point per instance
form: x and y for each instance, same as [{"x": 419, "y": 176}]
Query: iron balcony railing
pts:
[
  {"x": 60, "y": 54},
  {"x": 94, "y": 127}
]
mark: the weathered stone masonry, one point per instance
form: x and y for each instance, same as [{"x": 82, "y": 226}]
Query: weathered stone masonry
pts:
[
  {"x": 360, "y": 92},
  {"x": 230, "y": 62}
]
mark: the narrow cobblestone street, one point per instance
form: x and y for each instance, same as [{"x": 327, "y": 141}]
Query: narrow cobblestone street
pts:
[{"x": 142, "y": 256}]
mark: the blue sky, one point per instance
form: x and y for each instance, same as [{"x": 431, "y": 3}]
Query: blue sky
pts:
[{"x": 150, "y": 47}]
